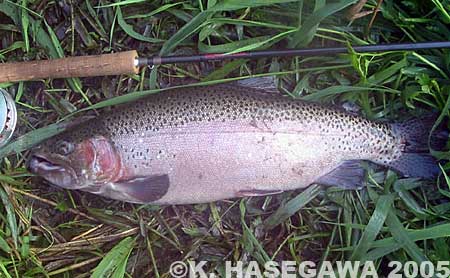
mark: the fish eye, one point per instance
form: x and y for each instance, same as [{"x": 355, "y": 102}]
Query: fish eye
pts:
[{"x": 64, "y": 148}]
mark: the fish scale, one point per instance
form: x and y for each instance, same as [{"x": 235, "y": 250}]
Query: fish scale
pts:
[
  {"x": 222, "y": 103},
  {"x": 175, "y": 109},
  {"x": 202, "y": 144}
]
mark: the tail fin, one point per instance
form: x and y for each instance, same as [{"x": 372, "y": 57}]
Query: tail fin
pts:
[{"x": 416, "y": 160}]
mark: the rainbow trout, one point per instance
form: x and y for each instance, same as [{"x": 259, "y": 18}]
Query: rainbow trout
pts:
[{"x": 205, "y": 144}]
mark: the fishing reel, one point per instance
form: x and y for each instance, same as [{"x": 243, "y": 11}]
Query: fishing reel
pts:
[{"x": 8, "y": 117}]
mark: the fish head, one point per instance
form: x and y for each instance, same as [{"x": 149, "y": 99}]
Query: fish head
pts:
[{"x": 73, "y": 164}]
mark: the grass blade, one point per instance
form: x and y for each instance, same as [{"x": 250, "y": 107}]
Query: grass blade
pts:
[
  {"x": 230, "y": 47},
  {"x": 339, "y": 89},
  {"x": 374, "y": 226},
  {"x": 292, "y": 206},
  {"x": 308, "y": 37},
  {"x": 225, "y": 70},
  {"x": 389, "y": 245},
  {"x": 265, "y": 43},
  {"x": 186, "y": 31},
  {"x": 10, "y": 216},
  {"x": 156, "y": 11},
  {"x": 400, "y": 236},
  {"x": 114, "y": 263},
  {"x": 74, "y": 82},
  {"x": 122, "y": 3},
  {"x": 230, "y": 5},
  {"x": 25, "y": 24},
  {"x": 129, "y": 29},
  {"x": 298, "y": 39},
  {"x": 250, "y": 242}
]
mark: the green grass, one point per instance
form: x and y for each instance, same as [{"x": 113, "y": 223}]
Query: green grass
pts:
[{"x": 47, "y": 232}]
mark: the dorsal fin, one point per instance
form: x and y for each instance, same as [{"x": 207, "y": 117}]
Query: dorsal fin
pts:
[{"x": 265, "y": 84}]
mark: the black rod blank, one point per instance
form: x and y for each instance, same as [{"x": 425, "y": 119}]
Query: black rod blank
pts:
[{"x": 159, "y": 60}]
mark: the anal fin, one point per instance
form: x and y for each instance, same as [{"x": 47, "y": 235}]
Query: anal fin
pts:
[{"x": 348, "y": 175}]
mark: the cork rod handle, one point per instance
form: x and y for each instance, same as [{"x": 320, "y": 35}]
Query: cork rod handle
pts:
[{"x": 82, "y": 66}]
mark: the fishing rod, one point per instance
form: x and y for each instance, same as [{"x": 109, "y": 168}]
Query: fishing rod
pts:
[{"x": 128, "y": 62}]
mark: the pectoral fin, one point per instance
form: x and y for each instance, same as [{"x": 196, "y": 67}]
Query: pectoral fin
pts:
[
  {"x": 137, "y": 190},
  {"x": 348, "y": 175}
]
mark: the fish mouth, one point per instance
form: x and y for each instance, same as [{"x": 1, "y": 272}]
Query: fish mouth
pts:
[{"x": 53, "y": 170}]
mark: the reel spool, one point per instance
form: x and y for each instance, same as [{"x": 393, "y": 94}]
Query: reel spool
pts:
[{"x": 8, "y": 117}]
